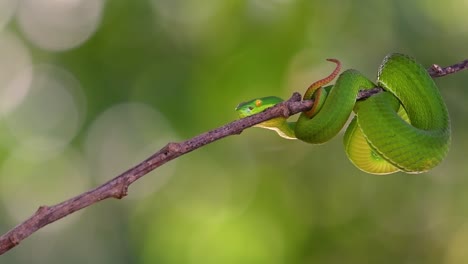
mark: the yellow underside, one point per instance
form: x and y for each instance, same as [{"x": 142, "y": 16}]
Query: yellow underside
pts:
[{"x": 363, "y": 156}]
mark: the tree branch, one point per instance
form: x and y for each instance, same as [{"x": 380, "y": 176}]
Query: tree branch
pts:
[
  {"x": 118, "y": 186},
  {"x": 437, "y": 71}
]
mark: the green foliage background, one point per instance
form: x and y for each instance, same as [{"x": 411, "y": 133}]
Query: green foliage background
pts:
[{"x": 253, "y": 198}]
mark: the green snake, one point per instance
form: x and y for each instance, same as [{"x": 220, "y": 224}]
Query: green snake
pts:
[{"x": 405, "y": 128}]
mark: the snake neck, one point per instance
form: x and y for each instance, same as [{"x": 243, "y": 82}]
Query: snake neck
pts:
[{"x": 281, "y": 126}]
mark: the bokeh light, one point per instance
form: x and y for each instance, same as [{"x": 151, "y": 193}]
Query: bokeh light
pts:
[
  {"x": 191, "y": 19},
  {"x": 126, "y": 134},
  {"x": 15, "y": 71},
  {"x": 53, "y": 108},
  {"x": 90, "y": 88},
  {"x": 27, "y": 184},
  {"x": 59, "y": 25}
]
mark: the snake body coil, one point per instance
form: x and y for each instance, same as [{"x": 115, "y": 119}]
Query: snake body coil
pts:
[{"x": 405, "y": 128}]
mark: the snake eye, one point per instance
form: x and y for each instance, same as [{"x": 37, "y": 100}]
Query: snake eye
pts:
[{"x": 258, "y": 103}]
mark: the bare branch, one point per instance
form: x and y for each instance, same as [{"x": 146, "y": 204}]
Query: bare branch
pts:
[
  {"x": 118, "y": 186},
  {"x": 437, "y": 71}
]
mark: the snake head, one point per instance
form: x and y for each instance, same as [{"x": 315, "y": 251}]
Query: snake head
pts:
[{"x": 256, "y": 106}]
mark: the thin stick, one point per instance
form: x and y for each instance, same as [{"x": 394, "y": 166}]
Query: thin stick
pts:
[
  {"x": 118, "y": 186},
  {"x": 437, "y": 71}
]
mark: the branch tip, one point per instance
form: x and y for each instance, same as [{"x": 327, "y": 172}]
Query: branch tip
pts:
[{"x": 437, "y": 71}]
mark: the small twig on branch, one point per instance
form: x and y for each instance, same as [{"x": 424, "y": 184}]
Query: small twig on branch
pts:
[
  {"x": 437, "y": 71},
  {"x": 118, "y": 186}
]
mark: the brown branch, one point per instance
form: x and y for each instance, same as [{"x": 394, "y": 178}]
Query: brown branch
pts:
[
  {"x": 118, "y": 186},
  {"x": 437, "y": 71}
]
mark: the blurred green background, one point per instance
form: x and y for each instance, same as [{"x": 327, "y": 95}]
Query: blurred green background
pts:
[{"x": 90, "y": 87}]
